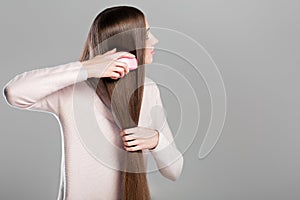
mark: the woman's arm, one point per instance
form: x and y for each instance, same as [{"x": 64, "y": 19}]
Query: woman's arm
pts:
[
  {"x": 166, "y": 155},
  {"x": 38, "y": 89}
]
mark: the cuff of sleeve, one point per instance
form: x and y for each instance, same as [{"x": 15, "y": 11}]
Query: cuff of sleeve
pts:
[{"x": 162, "y": 143}]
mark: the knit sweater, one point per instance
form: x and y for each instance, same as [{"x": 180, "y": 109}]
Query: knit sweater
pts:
[{"x": 86, "y": 173}]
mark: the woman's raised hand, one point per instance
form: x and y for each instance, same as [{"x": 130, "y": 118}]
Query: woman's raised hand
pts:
[{"x": 106, "y": 65}]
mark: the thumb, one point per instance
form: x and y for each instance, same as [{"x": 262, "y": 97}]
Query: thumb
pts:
[
  {"x": 129, "y": 130},
  {"x": 123, "y": 54},
  {"x": 110, "y": 52}
]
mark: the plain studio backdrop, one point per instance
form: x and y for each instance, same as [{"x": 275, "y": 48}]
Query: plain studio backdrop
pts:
[{"x": 255, "y": 45}]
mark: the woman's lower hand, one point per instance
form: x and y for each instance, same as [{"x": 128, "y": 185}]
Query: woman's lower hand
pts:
[
  {"x": 106, "y": 65},
  {"x": 139, "y": 138}
]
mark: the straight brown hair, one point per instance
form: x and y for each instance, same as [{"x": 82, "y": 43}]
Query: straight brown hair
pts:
[{"x": 124, "y": 28}]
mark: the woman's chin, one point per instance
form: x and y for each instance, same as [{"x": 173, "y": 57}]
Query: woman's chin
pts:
[{"x": 149, "y": 60}]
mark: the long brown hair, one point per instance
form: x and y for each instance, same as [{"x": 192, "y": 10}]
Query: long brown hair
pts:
[{"x": 123, "y": 96}]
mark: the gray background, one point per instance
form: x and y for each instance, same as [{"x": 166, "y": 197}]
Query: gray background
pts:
[{"x": 256, "y": 47}]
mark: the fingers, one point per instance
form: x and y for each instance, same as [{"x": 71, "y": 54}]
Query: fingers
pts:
[
  {"x": 135, "y": 148},
  {"x": 139, "y": 138},
  {"x": 119, "y": 70},
  {"x": 110, "y": 52},
  {"x": 130, "y": 140},
  {"x": 129, "y": 130},
  {"x": 129, "y": 137},
  {"x": 106, "y": 65},
  {"x": 141, "y": 132},
  {"x": 122, "y": 54},
  {"x": 123, "y": 65},
  {"x": 115, "y": 75},
  {"x": 131, "y": 143}
]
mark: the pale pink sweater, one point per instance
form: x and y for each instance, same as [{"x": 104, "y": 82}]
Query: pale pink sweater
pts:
[{"x": 63, "y": 91}]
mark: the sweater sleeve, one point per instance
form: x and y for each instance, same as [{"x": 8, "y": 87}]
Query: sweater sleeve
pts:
[
  {"x": 168, "y": 158},
  {"x": 38, "y": 89}
]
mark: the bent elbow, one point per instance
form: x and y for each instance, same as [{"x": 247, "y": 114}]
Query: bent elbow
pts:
[
  {"x": 172, "y": 177},
  {"x": 174, "y": 171},
  {"x": 12, "y": 98},
  {"x": 178, "y": 170},
  {"x": 8, "y": 96}
]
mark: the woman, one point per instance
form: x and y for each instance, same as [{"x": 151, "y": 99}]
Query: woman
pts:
[{"x": 99, "y": 72}]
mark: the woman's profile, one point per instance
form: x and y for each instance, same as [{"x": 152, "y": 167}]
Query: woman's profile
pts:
[{"x": 122, "y": 107}]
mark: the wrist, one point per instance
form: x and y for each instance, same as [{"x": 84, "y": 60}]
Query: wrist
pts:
[{"x": 86, "y": 65}]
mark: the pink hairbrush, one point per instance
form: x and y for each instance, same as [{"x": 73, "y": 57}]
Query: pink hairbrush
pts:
[{"x": 131, "y": 62}]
